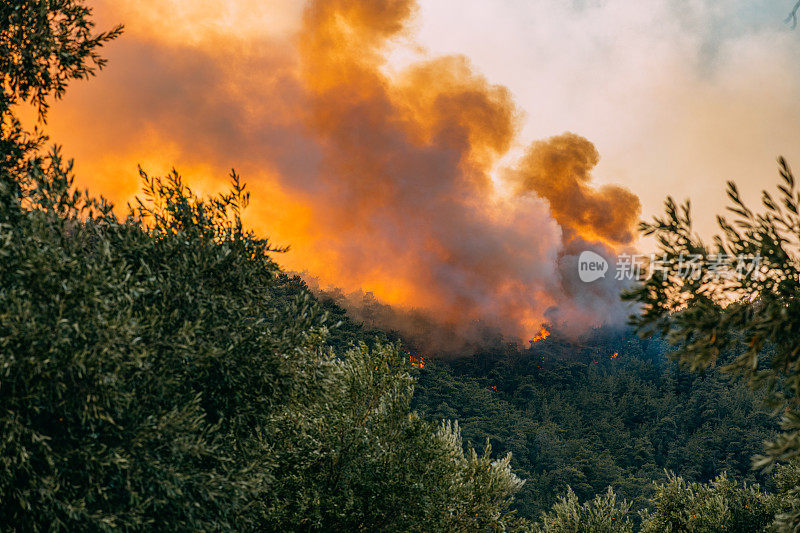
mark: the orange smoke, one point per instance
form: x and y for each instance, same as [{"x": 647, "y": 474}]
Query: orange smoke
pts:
[
  {"x": 380, "y": 183},
  {"x": 559, "y": 170}
]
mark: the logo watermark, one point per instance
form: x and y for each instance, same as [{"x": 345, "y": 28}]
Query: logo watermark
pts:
[
  {"x": 591, "y": 266},
  {"x": 631, "y": 267}
]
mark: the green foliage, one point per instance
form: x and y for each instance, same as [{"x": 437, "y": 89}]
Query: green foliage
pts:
[
  {"x": 601, "y": 515},
  {"x": 44, "y": 44},
  {"x": 158, "y": 371},
  {"x": 749, "y": 324},
  {"x": 719, "y": 506},
  {"x": 366, "y": 463},
  {"x": 787, "y": 484},
  {"x": 574, "y": 417},
  {"x": 141, "y": 365}
]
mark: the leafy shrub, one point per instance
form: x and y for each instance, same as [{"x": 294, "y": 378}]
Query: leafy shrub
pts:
[
  {"x": 718, "y": 506},
  {"x": 601, "y": 515},
  {"x": 157, "y": 371}
]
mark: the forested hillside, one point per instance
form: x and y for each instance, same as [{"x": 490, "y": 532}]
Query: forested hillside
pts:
[
  {"x": 611, "y": 410},
  {"x": 160, "y": 371}
]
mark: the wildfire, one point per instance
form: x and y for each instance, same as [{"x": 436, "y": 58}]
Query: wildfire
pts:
[
  {"x": 543, "y": 334},
  {"x": 416, "y": 360},
  {"x": 614, "y": 356},
  {"x": 310, "y": 116}
]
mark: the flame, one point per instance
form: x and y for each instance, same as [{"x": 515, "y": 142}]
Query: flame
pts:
[
  {"x": 541, "y": 335},
  {"x": 614, "y": 356},
  {"x": 416, "y": 360}
]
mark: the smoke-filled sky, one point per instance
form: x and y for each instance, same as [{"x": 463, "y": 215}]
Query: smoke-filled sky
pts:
[
  {"x": 449, "y": 156},
  {"x": 678, "y": 96}
]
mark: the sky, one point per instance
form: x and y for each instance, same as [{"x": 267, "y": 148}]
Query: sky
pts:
[
  {"x": 678, "y": 96},
  {"x": 450, "y": 156}
]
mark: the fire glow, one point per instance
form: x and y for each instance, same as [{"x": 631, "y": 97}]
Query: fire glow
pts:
[{"x": 381, "y": 183}]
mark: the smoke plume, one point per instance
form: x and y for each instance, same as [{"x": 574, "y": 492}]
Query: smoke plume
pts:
[
  {"x": 381, "y": 182},
  {"x": 559, "y": 170}
]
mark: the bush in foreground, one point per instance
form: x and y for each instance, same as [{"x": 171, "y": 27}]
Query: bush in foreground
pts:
[{"x": 160, "y": 371}]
